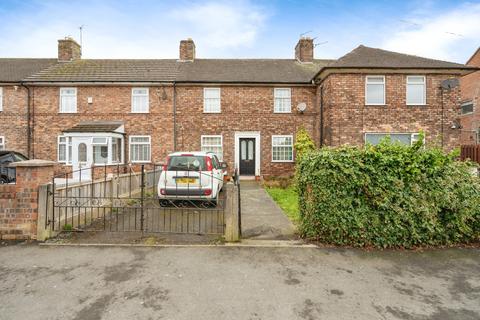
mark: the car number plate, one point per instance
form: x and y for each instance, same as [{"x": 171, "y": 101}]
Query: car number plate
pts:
[{"x": 185, "y": 180}]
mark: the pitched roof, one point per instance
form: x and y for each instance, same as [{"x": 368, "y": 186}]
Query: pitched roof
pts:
[
  {"x": 16, "y": 69},
  {"x": 96, "y": 126},
  {"x": 109, "y": 70},
  {"x": 366, "y": 57},
  {"x": 249, "y": 70}
]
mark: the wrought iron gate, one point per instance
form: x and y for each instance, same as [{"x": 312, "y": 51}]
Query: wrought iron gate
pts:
[{"x": 124, "y": 198}]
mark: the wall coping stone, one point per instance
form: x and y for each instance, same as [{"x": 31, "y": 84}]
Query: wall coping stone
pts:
[{"x": 33, "y": 163}]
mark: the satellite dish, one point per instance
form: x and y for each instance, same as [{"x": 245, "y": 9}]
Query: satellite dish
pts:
[{"x": 302, "y": 106}]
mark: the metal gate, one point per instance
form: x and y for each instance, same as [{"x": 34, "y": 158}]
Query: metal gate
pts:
[{"x": 124, "y": 198}]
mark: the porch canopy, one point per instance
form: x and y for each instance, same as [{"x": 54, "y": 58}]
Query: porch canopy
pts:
[{"x": 95, "y": 143}]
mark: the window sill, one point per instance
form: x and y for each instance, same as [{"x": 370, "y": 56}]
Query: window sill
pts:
[
  {"x": 139, "y": 112},
  {"x": 416, "y": 104},
  {"x": 376, "y": 105},
  {"x": 149, "y": 161},
  {"x": 71, "y": 112},
  {"x": 282, "y": 112},
  {"x": 212, "y": 112},
  {"x": 283, "y": 161}
]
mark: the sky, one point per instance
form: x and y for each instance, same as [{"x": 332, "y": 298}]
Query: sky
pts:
[{"x": 447, "y": 30}]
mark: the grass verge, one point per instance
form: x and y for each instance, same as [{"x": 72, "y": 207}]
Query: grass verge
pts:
[{"x": 287, "y": 199}]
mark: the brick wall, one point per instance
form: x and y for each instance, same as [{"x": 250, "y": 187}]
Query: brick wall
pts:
[
  {"x": 19, "y": 202},
  {"x": 244, "y": 109},
  {"x": 470, "y": 85},
  {"x": 13, "y": 118},
  {"x": 347, "y": 118}
]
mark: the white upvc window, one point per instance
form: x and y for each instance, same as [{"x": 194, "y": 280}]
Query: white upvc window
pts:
[
  {"x": 140, "y": 100},
  {"x": 375, "y": 90},
  {"x": 100, "y": 150},
  {"x": 64, "y": 149},
  {"x": 282, "y": 148},
  {"x": 211, "y": 100},
  {"x": 283, "y": 100},
  {"x": 1, "y": 99},
  {"x": 68, "y": 100},
  {"x": 140, "y": 148},
  {"x": 467, "y": 107},
  {"x": 405, "y": 138},
  {"x": 212, "y": 144},
  {"x": 416, "y": 90},
  {"x": 2, "y": 143}
]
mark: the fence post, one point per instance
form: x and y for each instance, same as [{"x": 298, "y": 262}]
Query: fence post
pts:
[
  {"x": 232, "y": 233},
  {"x": 142, "y": 188},
  {"x": 45, "y": 211}
]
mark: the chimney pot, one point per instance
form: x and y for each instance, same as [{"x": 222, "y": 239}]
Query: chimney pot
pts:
[
  {"x": 187, "y": 50},
  {"x": 304, "y": 50},
  {"x": 69, "y": 50}
]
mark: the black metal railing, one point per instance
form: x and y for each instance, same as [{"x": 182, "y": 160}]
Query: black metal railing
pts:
[{"x": 129, "y": 198}]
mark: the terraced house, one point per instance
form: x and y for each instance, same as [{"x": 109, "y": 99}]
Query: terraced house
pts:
[{"x": 81, "y": 112}]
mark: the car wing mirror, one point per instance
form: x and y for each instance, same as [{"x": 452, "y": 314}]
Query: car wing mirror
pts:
[{"x": 223, "y": 165}]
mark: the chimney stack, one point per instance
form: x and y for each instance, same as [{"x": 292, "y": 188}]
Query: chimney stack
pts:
[
  {"x": 69, "y": 50},
  {"x": 304, "y": 50},
  {"x": 187, "y": 50}
]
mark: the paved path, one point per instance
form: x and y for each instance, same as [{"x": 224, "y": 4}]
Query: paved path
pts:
[
  {"x": 262, "y": 218},
  {"x": 88, "y": 283}
]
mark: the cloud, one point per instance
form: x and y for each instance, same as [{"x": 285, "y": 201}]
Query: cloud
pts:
[
  {"x": 221, "y": 24},
  {"x": 444, "y": 36}
]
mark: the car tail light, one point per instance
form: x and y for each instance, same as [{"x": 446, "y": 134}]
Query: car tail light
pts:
[
  {"x": 163, "y": 192},
  {"x": 165, "y": 166},
  {"x": 207, "y": 192},
  {"x": 208, "y": 161}
]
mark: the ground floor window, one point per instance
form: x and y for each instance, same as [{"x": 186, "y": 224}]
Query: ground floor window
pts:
[
  {"x": 405, "y": 138},
  {"x": 100, "y": 150},
  {"x": 212, "y": 144},
  {"x": 64, "y": 149},
  {"x": 478, "y": 135},
  {"x": 140, "y": 148},
  {"x": 282, "y": 148}
]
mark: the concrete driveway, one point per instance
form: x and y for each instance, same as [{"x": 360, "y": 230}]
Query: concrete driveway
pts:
[
  {"x": 237, "y": 283},
  {"x": 262, "y": 218}
]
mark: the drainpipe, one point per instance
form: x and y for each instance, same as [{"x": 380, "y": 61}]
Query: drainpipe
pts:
[
  {"x": 174, "y": 117},
  {"x": 28, "y": 119},
  {"x": 321, "y": 116},
  {"x": 443, "y": 116}
]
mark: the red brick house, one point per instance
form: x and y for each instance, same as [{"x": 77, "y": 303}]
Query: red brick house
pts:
[
  {"x": 90, "y": 111},
  {"x": 470, "y": 106}
]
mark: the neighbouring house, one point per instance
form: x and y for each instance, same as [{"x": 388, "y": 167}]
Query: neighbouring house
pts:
[
  {"x": 470, "y": 104},
  {"x": 80, "y": 112}
]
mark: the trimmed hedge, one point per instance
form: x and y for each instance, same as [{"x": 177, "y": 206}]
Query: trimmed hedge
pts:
[{"x": 389, "y": 195}]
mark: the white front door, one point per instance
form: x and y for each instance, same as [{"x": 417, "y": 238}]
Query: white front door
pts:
[{"x": 82, "y": 158}]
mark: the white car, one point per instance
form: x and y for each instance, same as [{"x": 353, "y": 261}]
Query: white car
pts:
[{"x": 191, "y": 176}]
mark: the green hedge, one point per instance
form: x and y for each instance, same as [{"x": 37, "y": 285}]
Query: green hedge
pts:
[{"x": 388, "y": 195}]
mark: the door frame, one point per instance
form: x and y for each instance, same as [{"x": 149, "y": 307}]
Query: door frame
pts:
[{"x": 248, "y": 134}]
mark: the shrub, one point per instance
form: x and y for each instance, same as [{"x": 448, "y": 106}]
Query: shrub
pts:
[
  {"x": 388, "y": 195},
  {"x": 303, "y": 143}
]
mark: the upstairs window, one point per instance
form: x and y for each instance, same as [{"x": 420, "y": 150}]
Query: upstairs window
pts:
[
  {"x": 68, "y": 100},
  {"x": 283, "y": 100},
  {"x": 467, "y": 108},
  {"x": 375, "y": 90},
  {"x": 2, "y": 143},
  {"x": 140, "y": 102},
  {"x": 416, "y": 90},
  {"x": 282, "y": 148},
  {"x": 1, "y": 99},
  {"x": 64, "y": 149},
  {"x": 140, "y": 149},
  {"x": 212, "y": 144},
  {"x": 211, "y": 100}
]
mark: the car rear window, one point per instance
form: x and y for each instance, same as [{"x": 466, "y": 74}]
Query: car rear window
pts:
[{"x": 186, "y": 163}]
